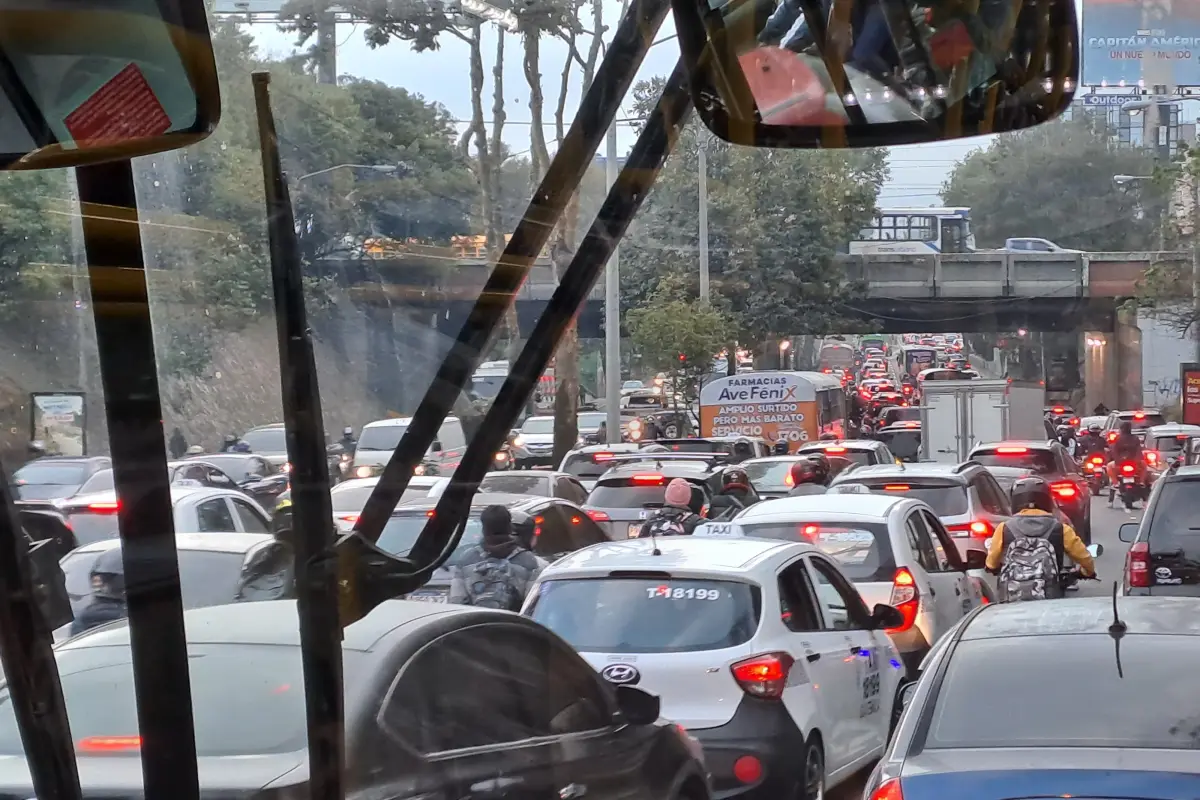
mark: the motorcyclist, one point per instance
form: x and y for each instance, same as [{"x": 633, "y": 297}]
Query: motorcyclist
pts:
[
  {"x": 1126, "y": 447},
  {"x": 780, "y": 448},
  {"x": 806, "y": 479},
  {"x": 229, "y": 444},
  {"x": 1066, "y": 437},
  {"x": 742, "y": 451},
  {"x": 736, "y": 493},
  {"x": 676, "y": 517},
  {"x": 1026, "y": 534},
  {"x": 1092, "y": 440},
  {"x": 348, "y": 442},
  {"x": 107, "y": 599}
]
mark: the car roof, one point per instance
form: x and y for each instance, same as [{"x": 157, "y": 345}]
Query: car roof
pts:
[
  {"x": 67, "y": 459},
  {"x": 866, "y": 506},
  {"x": 676, "y": 467},
  {"x": 527, "y": 473},
  {"x": 1172, "y": 428},
  {"x": 694, "y": 553},
  {"x": 1082, "y": 615},
  {"x": 1135, "y": 411},
  {"x": 920, "y": 469},
  {"x": 1187, "y": 471},
  {"x": 392, "y": 421},
  {"x": 415, "y": 482},
  {"x": 481, "y": 499},
  {"x": 207, "y": 542},
  {"x": 178, "y": 493},
  {"x": 273, "y": 622},
  {"x": 267, "y": 427},
  {"x": 1031, "y": 444},
  {"x": 539, "y": 416},
  {"x": 619, "y": 447},
  {"x": 767, "y": 459},
  {"x": 849, "y": 444}
]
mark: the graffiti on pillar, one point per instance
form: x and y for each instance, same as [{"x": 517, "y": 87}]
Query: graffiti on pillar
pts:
[{"x": 1161, "y": 392}]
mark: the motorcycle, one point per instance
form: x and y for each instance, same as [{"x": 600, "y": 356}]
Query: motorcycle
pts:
[
  {"x": 1130, "y": 484},
  {"x": 1095, "y": 473}
]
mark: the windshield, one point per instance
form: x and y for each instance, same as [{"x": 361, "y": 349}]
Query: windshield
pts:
[
  {"x": 946, "y": 498},
  {"x": 770, "y": 476},
  {"x": 1040, "y": 462},
  {"x": 53, "y": 474},
  {"x": 101, "y": 481},
  {"x": 402, "y": 530},
  {"x": 381, "y": 437},
  {"x": 863, "y": 550},
  {"x": 516, "y": 484},
  {"x": 267, "y": 440},
  {"x": 590, "y": 422},
  {"x": 648, "y": 615},
  {"x": 539, "y": 425},
  {"x": 207, "y": 578}
]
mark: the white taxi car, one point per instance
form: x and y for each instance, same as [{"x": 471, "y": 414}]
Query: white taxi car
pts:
[
  {"x": 762, "y": 650},
  {"x": 894, "y": 549}
]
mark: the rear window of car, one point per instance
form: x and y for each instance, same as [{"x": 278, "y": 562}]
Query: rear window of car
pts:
[
  {"x": 401, "y": 532},
  {"x": 627, "y": 493},
  {"x": 863, "y": 549},
  {"x": 516, "y": 484},
  {"x": 90, "y": 527},
  {"x": 246, "y": 699},
  {"x": 1041, "y": 462},
  {"x": 1152, "y": 706},
  {"x": 69, "y": 473},
  {"x": 946, "y": 498},
  {"x": 1169, "y": 444},
  {"x": 1146, "y": 420},
  {"x": 267, "y": 440},
  {"x": 1176, "y": 512},
  {"x": 206, "y": 578},
  {"x": 858, "y": 457},
  {"x": 101, "y": 481},
  {"x": 648, "y": 615},
  {"x": 586, "y": 465},
  {"x": 699, "y": 446},
  {"x": 900, "y": 414},
  {"x": 770, "y": 476}
]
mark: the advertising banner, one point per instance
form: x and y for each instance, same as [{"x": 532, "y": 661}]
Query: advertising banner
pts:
[
  {"x": 1189, "y": 382},
  {"x": 59, "y": 422},
  {"x": 1123, "y": 40},
  {"x": 771, "y": 405}
]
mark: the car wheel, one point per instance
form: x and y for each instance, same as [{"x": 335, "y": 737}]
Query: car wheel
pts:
[{"x": 812, "y": 780}]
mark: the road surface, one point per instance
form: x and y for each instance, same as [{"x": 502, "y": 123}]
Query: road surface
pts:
[{"x": 1105, "y": 522}]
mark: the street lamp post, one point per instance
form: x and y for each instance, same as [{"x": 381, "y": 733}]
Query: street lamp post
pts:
[{"x": 783, "y": 350}]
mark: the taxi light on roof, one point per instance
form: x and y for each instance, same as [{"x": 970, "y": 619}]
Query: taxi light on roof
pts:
[
  {"x": 651, "y": 480},
  {"x": 1012, "y": 451},
  {"x": 109, "y": 744}
]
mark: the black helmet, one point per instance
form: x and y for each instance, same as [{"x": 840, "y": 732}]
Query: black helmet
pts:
[
  {"x": 1032, "y": 493},
  {"x": 820, "y": 464},
  {"x": 108, "y": 575},
  {"x": 735, "y": 477},
  {"x": 780, "y": 448}
]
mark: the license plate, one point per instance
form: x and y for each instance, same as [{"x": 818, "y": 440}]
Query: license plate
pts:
[
  {"x": 1127, "y": 481},
  {"x": 428, "y": 597},
  {"x": 634, "y": 530}
]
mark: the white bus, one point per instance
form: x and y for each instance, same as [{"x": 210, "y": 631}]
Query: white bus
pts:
[{"x": 916, "y": 230}]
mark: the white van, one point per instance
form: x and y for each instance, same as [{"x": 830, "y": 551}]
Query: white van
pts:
[{"x": 379, "y": 439}]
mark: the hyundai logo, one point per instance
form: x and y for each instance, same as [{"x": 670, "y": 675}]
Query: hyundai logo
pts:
[{"x": 621, "y": 673}]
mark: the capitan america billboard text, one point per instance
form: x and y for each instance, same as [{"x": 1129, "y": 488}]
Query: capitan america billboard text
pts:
[{"x": 1121, "y": 39}]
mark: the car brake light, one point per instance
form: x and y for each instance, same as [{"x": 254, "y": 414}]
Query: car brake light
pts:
[
  {"x": 602, "y": 457},
  {"x": 649, "y": 480},
  {"x": 905, "y": 597},
  {"x": 104, "y": 508},
  {"x": 351, "y": 518},
  {"x": 1112, "y": 436},
  {"x": 889, "y": 790},
  {"x": 1139, "y": 415},
  {"x": 1012, "y": 451},
  {"x": 981, "y": 529},
  {"x": 835, "y": 450},
  {"x": 598, "y": 516},
  {"x": 896, "y": 487},
  {"x": 1074, "y": 422},
  {"x": 1058, "y": 409},
  {"x": 1151, "y": 457},
  {"x": 1137, "y": 564},
  {"x": 764, "y": 676},
  {"x": 1064, "y": 490},
  {"x": 109, "y": 744}
]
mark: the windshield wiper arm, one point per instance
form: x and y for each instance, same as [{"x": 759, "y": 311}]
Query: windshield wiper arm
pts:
[
  {"x": 597, "y": 110},
  {"x": 624, "y": 199}
]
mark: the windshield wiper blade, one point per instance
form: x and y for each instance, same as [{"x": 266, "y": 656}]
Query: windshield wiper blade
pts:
[
  {"x": 597, "y": 110},
  {"x": 26, "y": 649},
  {"x": 312, "y": 506},
  {"x": 624, "y": 199}
]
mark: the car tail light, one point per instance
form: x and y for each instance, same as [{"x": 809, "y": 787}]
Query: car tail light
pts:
[
  {"x": 1139, "y": 415},
  {"x": 1137, "y": 564},
  {"x": 1012, "y": 451},
  {"x": 600, "y": 458},
  {"x": 109, "y": 744},
  {"x": 1064, "y": 490},
  {"x": 1058, "y": 409},
  {"x": 1074, "y": 422},
  {"x": 835, "y": 450},
  {"x": 896, "y": 487},
  {"x": 351, "y": 518},
  {"x": 905, "y": 597},
  {"x": 598, "y": 516},
  {"x": 1112, "y": 436},
  {"x": 104, "y": 508},
  {"x": 765, "y": 675},
  {"x": 888, "y": 790},
  {"x": 809, "y": 531},
  {"x": 649, "y": 480},
  {"x": 1151, "y": 457},
  {"x": 980, "y": 529}
]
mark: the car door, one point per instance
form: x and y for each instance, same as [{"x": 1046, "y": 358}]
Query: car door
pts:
[
  {"x": 952, "y": 570},
  {"x": 458, "y": 703},
  {"x": 863, "y": 654},
  {"x": 945, "y": 592},
  {"x": 248, "y": 517},
  {"x": 820, "y": 650},
  {"x": 213, "y": 515},
  {"x": 916, "y": 554}
]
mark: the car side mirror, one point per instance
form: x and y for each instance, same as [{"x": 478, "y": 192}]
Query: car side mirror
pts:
[
  {"x": 976, "y": 559},
  {"x": 884, "y": 616},
  {"x": 1128, "y": 531},
  {"x": 638, "y": 706},
  {"x": 1095, "y": 550}
]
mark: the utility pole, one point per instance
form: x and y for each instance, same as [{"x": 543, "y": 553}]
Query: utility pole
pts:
[
  {"x": 702, "y": 179},
  {"x": 612, "y": 313}
]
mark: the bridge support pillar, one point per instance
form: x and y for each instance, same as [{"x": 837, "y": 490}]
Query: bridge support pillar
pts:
[{"x": 1112, "y": 365}]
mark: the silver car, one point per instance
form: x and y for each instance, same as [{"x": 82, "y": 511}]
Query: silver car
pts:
[{"x": 197, "y": 509}]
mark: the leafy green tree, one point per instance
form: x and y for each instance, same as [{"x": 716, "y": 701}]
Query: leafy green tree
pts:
[
  {"x": 676, "y": 333},
  {"x": 1166, "y": 288},
  {"x": 776, "y": 219},
  {"x": 1055, "y": 182}
]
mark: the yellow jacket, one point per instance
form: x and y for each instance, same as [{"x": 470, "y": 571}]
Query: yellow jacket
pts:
[{"x": 1073, "y": 546}]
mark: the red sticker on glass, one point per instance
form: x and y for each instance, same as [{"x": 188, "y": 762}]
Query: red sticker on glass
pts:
[{"x": 122, "y": 109}]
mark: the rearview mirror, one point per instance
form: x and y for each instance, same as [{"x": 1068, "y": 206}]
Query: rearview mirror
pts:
[
  {"x": 99, "y": 80},
  {"x": 1095, "y": 550},
  {"x": 1128, "y": 531},
  {"x": 884, "y": 616},
  {"x": 862, "y": 73},
  {"x": 976, "y": 559}
]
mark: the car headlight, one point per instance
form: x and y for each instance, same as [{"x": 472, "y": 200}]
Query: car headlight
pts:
[
  {"x": 363, "y": 472},
  {"x": 419, "y": 469},
  {"x": 501, "y": 456},
  {"x": 518, "y": 441}
]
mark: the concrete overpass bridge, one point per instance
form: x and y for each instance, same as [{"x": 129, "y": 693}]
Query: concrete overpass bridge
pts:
[{"x": 987, "y": 291}]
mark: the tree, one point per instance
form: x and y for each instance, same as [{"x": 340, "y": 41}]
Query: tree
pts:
[
  {"x": 1055, "y": 181},
  {"x": 679, "y": 335},
  {"x": 1165, "y": 288},
  {"x": 776, "y": 219}
]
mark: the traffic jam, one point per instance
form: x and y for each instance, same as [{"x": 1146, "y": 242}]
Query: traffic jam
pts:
[{"x": 768, "y": 607}]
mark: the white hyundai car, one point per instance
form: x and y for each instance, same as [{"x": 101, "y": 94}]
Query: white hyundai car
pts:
[{"x": 762, "y": 650}]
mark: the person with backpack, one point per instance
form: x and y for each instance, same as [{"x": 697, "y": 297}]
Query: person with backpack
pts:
[
  {"x": 676, "y": 517},
  {"x": 1026, "y": 551},
  {"x": 497, "y": 572}
]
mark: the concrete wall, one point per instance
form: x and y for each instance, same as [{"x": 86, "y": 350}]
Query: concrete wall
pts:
[{"x": 1163, "y": 350}]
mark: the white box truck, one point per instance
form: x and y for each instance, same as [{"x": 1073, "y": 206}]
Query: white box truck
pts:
[{"x": 957, "y": 415}]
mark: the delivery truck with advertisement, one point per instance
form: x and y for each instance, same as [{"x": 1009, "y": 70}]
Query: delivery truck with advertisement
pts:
[
  {"x": 957, "y": 415},
  {"x": 796, "y": 407}
]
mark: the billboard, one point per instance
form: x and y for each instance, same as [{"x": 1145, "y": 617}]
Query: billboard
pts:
[
  {"x": 59, "y": 422},
  {"x": 1125, "y": 41},
  {"x": 1189, "y": 384}
]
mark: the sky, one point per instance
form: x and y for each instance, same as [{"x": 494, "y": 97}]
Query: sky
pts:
[{"x": 917, "y": 171}]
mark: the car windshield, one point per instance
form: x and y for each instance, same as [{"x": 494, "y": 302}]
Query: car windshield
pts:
[
  {"x": 538, "y": 425},
  {"x": 381, "y": 437},
  {"x": 208, "y": 578},
  {"x": 637, "y": 491},
  {"x": 648, "y": 615},
  {"x": 1039, "y": 462},
  {"x": 1148, "y": 702},
  {"x": 101, "y": 481},
  {"x": 353, "y": 498},
  {"x": 770, "y": 476},
  {"x": 70, "y": 473},
  {"x": 270, "y": 441},
  {"x": 402, "y": 529},
  {"x": 1142, "y": 420},
  {"x": 863, "y": 549}
]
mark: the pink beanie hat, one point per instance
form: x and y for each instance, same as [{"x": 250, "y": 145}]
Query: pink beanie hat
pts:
[{"x": 679, "y": 493}]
